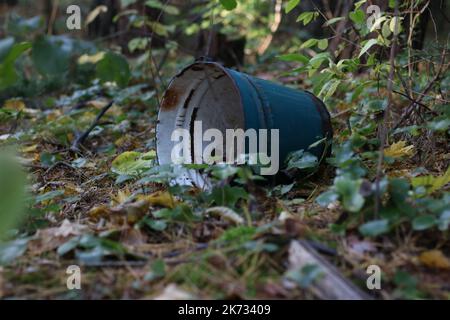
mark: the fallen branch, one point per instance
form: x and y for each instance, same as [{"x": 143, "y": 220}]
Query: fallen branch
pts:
[
  {"x": 332, "y": 285},
  {"x": 78, "y": 141}
]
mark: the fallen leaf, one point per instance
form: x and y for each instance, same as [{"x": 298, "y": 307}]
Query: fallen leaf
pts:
[
  {"x": 51, "y": 238},
  {"x": 226, "y": 213},
  {"x": 130, "y": 212},
  {"x": 14, "y": 104},
  {"x": 132, "y": 237},
  {"x": 98, "y": 212},
  {"x": 121, "y": 197},
  {"x": 399, "y": 149},
  {"x": 432, "y": 183},
  {"x": 159, "y": 198},
  {"x": 28, "y": 149},
  {"x": 434, "y": 259},
  {"x": 11, "y": 250},
  {"x": 172, "y": 292},
  {"x": 68, "y": 228},
  {"x": 131, "y": 163}
]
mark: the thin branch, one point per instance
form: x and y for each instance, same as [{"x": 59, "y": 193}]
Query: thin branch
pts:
[
  {"x": 384, "y": 124},
  {"x": 423, "y": 94},
  {"x": 273, "y": 28},
  {"x": 81, "y": 138}
]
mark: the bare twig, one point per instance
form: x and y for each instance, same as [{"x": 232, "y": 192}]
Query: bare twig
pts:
[
  {"x": 384, "y": 124},
  {"x": 413, "y": 100},
  {"x": 52, "y": 17},
  {"x": 78, "y": 141},
  {"x": 273, "y": 28},
  {"x": 423, "y": 94}
]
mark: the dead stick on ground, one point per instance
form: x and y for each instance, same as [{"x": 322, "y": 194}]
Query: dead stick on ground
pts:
[
  {"x": 78, "y": 141},
  {"x": 330, "y": 284}
]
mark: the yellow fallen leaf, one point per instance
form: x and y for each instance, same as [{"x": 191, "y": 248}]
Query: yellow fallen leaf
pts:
[
  {"x": 121, "y": 197},
  {"x": 399, "y": 149},
  {"x": 99, "y": 212},
  {"x": 434, "y": 259},
  {"x": 14, "y": 104},
  {"x": 159, "y": 198},
  {"x": 71, "y": 189},
  {"x": 127, "y": 212},
  {"x": 28, "y": 149}
]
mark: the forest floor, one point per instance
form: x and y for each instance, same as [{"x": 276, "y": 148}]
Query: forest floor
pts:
[{"x": 135, "y": 237}]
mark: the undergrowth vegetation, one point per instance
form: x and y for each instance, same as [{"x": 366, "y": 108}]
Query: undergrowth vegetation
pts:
[{"x": 102, "y": 201}]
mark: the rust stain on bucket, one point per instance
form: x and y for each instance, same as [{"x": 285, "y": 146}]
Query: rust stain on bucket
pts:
[{"x": 171, "y": 99}]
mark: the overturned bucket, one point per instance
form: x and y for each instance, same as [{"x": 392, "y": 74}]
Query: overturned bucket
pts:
[{"x": 221, "y": 98}]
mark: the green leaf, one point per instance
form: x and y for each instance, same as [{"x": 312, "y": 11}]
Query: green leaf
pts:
[
  {"x": 444, "y": 220},
  {"x": 306, "y": 276},
  {"x": 322, "y": 44},
  {"x": 309, "y": 43},
  {"x": 333, "y": 21},
  {"x": 7, "y": 70},
  {"x": 158, "y": 270},
  {"x": 395, "y": 25},
  {"x": 11, "y": 250},
  {"x": 132, "y": 163},
  {"x": 432, "y": 183},
  {"x": 306, "y": 17},
  {"x": 49, "y": 57},
  {"x": 385, "y": 31},
  {"x": 48, "y": 196},
  {"x": 157, "y": 225},
  {"x": 329, "y": 88},
  {"x": 348, "y": 189},
  {"x": 318, "y": 59},
  {"x": 357, "y": 16},
  {"x": 68, "y": 246},
  {"x": 229, "y": 4},
  {"x": 291, "y": 5},
  {"x": 369, "y": 44},
  {"x": 137, "y": 44},
  {"x": 164, "y": 7},
  {"x": 301, "y": 160},
  {"x": 294, "y": 57},
  {"x": 113, "y": 68},
  {"x": 423, "y": 222},
  {"x": 374, "y": 228},
  {"x": 327, "y": 197},
  {"x": 227, "y": 195},
  {"x": 12, "y": 192},
  {"x": 439, "y": 125},
  {"x": 126, "y": 3},
  {"x": 5, "y": 46}
]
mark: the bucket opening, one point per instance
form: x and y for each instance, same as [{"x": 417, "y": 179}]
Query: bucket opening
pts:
[{"x": 202, "y": 92}]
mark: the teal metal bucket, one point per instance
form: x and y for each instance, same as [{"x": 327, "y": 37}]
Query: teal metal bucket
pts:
[{"x": 226, "y": 99}]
